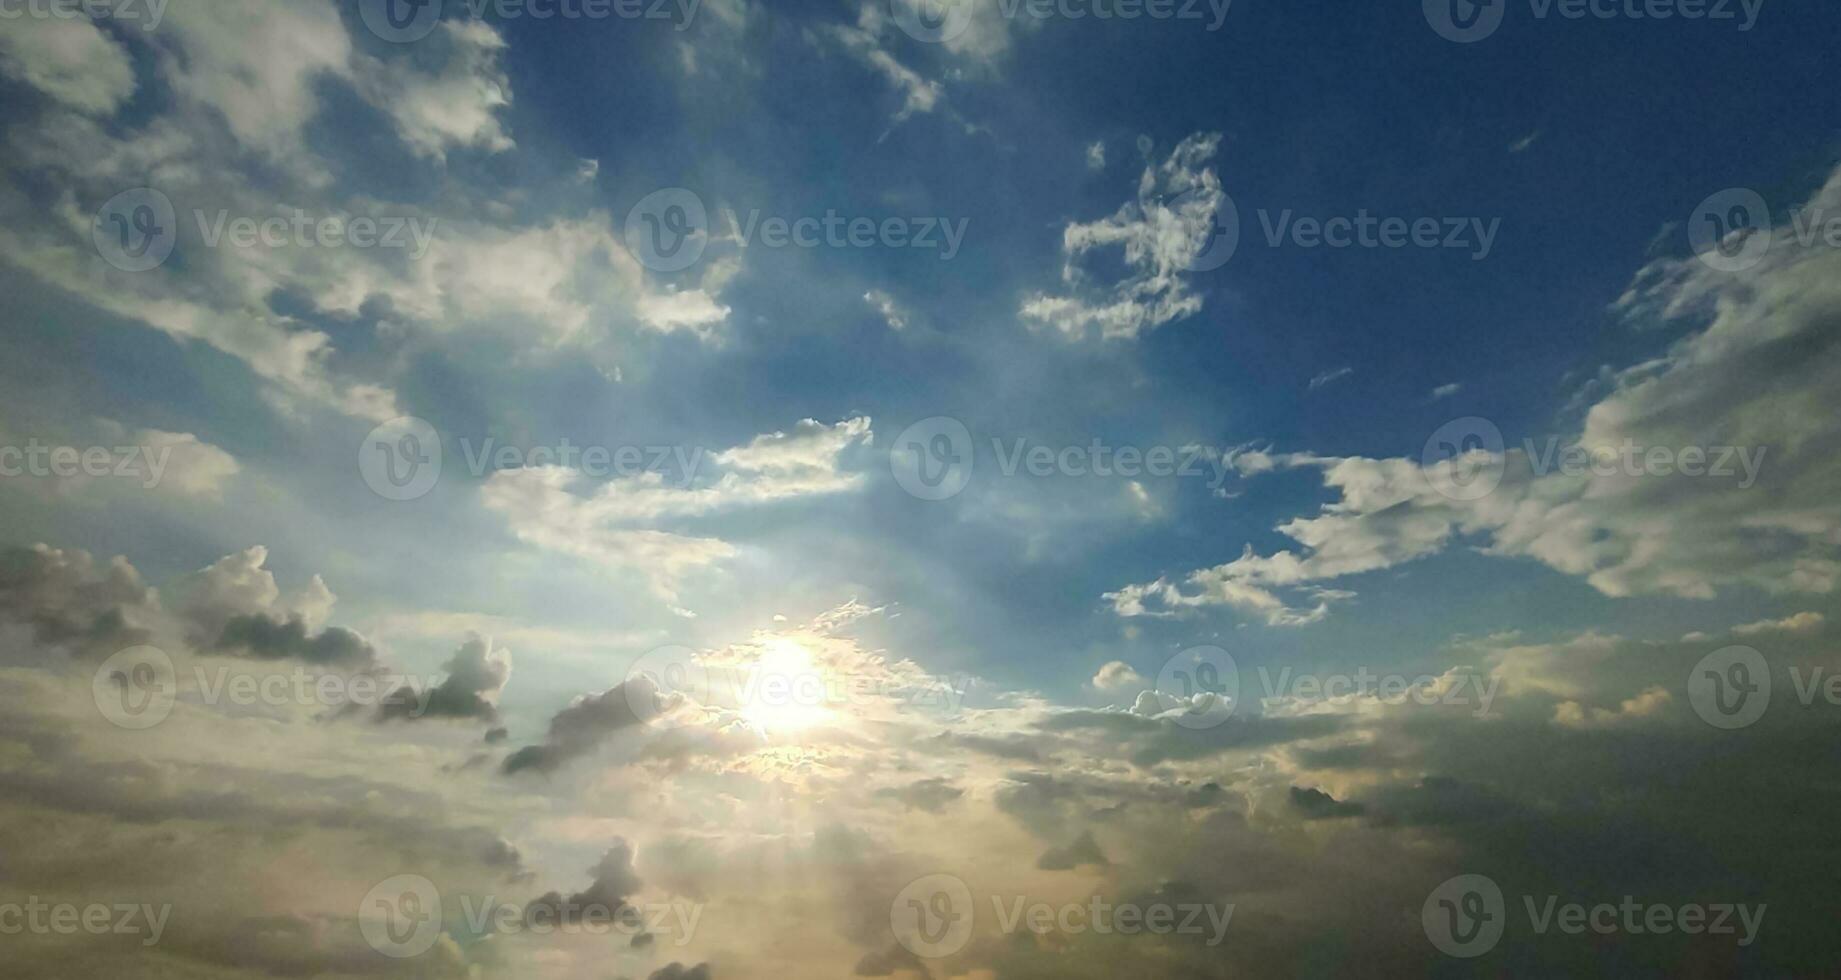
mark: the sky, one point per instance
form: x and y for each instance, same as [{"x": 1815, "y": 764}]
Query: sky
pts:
[{"x": 817, "y": 480}]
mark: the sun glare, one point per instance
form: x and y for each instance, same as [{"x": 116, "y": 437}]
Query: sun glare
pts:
[{"x": 785, "y": 691}]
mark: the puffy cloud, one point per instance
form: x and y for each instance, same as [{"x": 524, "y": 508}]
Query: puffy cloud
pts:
[
  {"x": 476, "y": 674},
  {"x": 1802, "y": 622},
  {"x": 584, "y": 725},
  {"x": 1163, "y": 233},
  {"x": 69, "y": 59},
  {"x": 1117, "y": 676},
  {"x": 70, "y": 603}
]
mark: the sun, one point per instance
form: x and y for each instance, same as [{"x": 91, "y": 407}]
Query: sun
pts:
[{"x": 785, "y": 690}]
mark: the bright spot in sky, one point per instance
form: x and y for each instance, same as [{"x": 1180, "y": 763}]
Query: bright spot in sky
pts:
[{"x": 784, "y": 691}]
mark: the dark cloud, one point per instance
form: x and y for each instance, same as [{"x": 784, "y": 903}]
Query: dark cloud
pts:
[
  {"x": 1083, "y": 852},
  {"x": 264, "y": 638},
  {"x": 1315, "y": 804},
  {"x": 604, "y": 900},
  {"x": 475, "y": 676},
  {"x": 677, "y": 971},
  {"x": 583, "y": 725},
  {"x": 931, "y": 795},
  {"x": 70, "y": 603}
]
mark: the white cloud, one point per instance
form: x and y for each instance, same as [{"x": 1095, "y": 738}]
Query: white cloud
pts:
[
  {"x": 1330, "y": 377},
  {"x": 558, "y": 509},
  {"x": 1162, "y": 234},
  {"x": 892, "y": 312},
  {"x": 1118, "y": 676},
  {"x": 70, "y": 60},
  {"x": 1802, "y": 622},
  {"x": 1758, "y": 378}
]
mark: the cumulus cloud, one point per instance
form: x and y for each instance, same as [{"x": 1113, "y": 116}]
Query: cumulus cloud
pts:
[
  {"x": 70, "y": 603},
  {"x": 584, "y": 725},
  {"x": 1118, "y": 675},
  {"x": 1162, "y": 232},
  {"x": 69, "y": 59},
  {"x": 476, "y": 674},
  {"x": 1748, "y": 387}
]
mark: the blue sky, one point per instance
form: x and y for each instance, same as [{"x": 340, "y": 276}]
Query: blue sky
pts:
[{"x": 1085, "y": 163}]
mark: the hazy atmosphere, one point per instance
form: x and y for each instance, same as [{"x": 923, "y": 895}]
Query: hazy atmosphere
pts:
[{"x": 926, "y": 489}]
